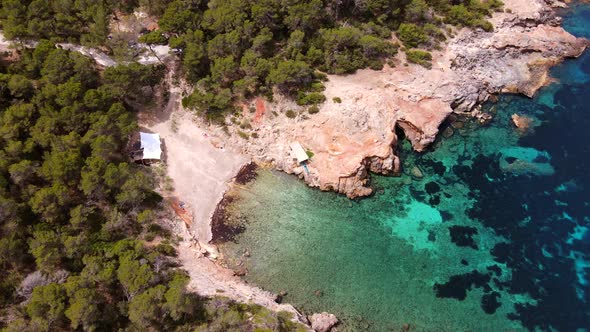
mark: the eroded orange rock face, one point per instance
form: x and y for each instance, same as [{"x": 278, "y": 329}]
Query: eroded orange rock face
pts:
[
  {"x": 357, "y": 136},
  {"x": 420, "y": 120}
]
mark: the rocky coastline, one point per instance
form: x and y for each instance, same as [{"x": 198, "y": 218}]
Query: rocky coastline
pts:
[{"x": 354, "y": 134}]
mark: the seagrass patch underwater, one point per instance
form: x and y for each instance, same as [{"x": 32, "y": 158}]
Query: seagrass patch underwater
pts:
[{"x": 493, "y": 237}]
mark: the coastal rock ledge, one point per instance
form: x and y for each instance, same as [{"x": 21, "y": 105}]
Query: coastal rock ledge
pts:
[
  {"x": 323, "y": 322},
  {"x": 351, "y": 138}
]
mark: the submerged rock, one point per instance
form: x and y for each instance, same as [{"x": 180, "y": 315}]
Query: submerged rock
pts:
[
  {"x": 448, "y": 132},
  {"x": 416, "y": 172},
  {"x": 525, "y": 161},
  {"x": 457, "y": 124},
  {"x": 323, "y": 322},
  {"x": 241, "y": 272},
  {"x": 247, "y": 173},
  {"x": 462, "y": 236},
  {"x": 482, "y": 117},
  {"x": 522, "y": 122},
  {"x": 489, "y": 303}
]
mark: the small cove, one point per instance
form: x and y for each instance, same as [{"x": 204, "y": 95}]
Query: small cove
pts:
[{"x": 493, "y": 237}]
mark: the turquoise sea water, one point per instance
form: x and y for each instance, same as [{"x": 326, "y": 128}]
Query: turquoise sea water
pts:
[{"x": 493, "y": 238}]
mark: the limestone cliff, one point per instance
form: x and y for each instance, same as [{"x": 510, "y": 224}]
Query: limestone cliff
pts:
[{"x": 356, "y": 136}]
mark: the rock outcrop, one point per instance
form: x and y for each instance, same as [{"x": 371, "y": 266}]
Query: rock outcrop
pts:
[
  {"x": 355, "y": 131},
  {"x": 522, "y": 122},
  {"x": 322, "y": 322}
]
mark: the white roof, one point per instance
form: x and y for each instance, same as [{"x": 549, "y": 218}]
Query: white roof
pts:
[
  {"x": 298, "y": 151},
  {"x": 150, "y": 143}
]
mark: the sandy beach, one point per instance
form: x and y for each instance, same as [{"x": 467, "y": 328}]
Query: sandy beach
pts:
[{"x": 201, "y": 168}]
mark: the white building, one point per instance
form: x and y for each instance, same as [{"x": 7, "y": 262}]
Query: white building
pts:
[
  {"x": 151, "y": 146},
  {"x": 299, "y": 152}
]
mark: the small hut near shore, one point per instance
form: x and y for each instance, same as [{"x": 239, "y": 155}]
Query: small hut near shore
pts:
[
  {"x": 149, "y": 149},
  {"x": 299, "y": 153}
]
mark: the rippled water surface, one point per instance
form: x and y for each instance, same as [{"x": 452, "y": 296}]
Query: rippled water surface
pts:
[{"x": 493, "y": 237}]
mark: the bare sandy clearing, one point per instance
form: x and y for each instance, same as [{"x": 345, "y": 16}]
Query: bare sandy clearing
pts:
[{"x": 201, "y": 172}]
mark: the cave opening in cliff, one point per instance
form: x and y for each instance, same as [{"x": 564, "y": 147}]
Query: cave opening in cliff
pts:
[{"x": 399, "y": 132}]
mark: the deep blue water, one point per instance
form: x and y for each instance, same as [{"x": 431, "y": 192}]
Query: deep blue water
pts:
[{"x": 544, "y": 218}]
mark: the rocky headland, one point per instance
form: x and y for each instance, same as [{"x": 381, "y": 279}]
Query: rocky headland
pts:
[{"x": 354, "y": 132}]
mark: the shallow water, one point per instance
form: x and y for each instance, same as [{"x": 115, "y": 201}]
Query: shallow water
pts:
[{"x": 494, "y": 237}]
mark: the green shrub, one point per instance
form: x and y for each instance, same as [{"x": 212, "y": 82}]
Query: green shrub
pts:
[
  {"x": 245, "y": 124},
  {"x": 434, "y": 32},
  {"x": 494, "y": 4},
  {"x": 411, "y": 35},
  {"x": 313, "y": 109},
  {"x": 317, "y": 87},
  {"x": 309, "y": 153},
  {"x": 291, "y": 114},
  {"x": 376, "y": 30},
  {"x": 154, "y": 37},
  {"x": 459, "y": 15},
  {"x": 310, "y": 98},
  {"x": 347, "y": 48},
  {"x": 243, "y": 134},
  {"x": 376, "y": 64},
  {"x": 145, "y": 216},
  {"x": 225, "y": 315},
  {"x": 472, "y": 14},
  {"x": 319, "y": 76},
  {"x": 485, "y": 25},
  {"x": 166, "y": 249},
  {"x": 337, "y": 100},
  {"x": 416, "y": 11},
  {"x": 155, "y": 229},
  {"x": 374, "y": 49},
  {"x": 423, "y": 58}
]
